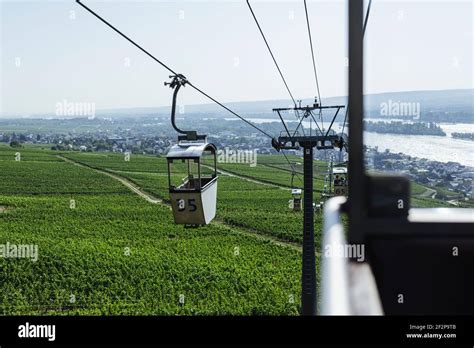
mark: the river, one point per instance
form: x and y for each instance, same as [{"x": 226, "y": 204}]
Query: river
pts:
[{"x": 435, "y": 148}]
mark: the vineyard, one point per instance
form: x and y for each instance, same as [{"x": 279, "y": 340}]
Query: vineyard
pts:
[
  {"x": 260, "y": 207},
  {"x": 105, "y": 250},
  {"x": 115, "y": 253}
]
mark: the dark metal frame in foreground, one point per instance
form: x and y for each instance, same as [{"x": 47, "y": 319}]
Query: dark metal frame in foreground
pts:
[
  {"x": 357, "y": 208},
  {"x": 422, "y": 237},
  {"x": 361, "y": 221}
]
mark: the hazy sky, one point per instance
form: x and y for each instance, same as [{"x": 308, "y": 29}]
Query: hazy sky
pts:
[{"x": 55, "y": 50}]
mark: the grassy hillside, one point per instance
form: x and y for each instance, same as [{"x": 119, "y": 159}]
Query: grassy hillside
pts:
[
  {"x": 115, "y": 253},
  {"x": 241, "y": 203}
]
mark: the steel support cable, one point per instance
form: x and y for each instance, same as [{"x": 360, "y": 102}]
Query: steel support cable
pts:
[
  {"x": 197, "y": 89},
  {"x": 367, "y": 16},
  {"x": 174, "y": 73},
  {"x": 127, "y": 38},
  {"x": 314, "y": 64},
  {"x": 171, "y": 70},
  {"x": 306, "y": 115},
  {"x": 229, "y": 110},
  {"x": 312, "y": 54},
  {"x": 298, "y": 116},
  {"x": 271, "y": 53},
  {"x": 274, "y": 59},
  {"x": 291, "y": 166},
  {"x": 317, "y": 125}
]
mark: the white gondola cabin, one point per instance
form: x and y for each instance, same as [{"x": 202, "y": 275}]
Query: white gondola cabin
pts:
[
  {"x": 340, "y": 184},
  {"x": 295, "y": 201},
  {"x": 193, "y": 199}
]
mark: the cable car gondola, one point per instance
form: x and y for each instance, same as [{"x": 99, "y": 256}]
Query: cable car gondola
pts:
[
  {"x": 295, "y": 201},
  {"x": 193, "y": 201},
  {"x": 340, "y": 185}
]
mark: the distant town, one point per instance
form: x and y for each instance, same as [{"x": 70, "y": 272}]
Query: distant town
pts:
[
  {"x": 153, "y": 135},
  {"x": 148, "y": 135},
  {"x": 454, "y": 178}
]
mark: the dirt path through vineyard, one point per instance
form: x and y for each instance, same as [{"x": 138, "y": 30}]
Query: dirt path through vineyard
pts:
[{"x": 156, "y": 200}]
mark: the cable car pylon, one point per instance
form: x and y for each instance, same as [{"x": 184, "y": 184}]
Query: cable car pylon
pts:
[
  {"x": 323, "y": 140},
  {"x": 320, "y": 141}
]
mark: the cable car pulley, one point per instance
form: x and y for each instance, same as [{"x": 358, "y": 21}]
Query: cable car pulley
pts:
[{"x": 176, "y": 83}]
